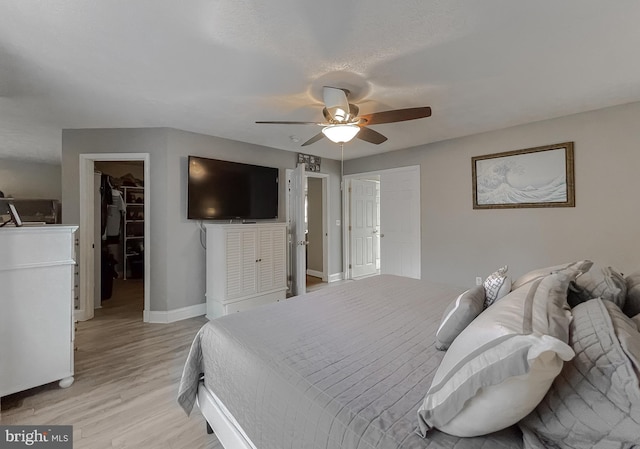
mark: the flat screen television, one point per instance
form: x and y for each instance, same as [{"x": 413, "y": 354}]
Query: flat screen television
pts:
[{"x": 223, "y": 190}]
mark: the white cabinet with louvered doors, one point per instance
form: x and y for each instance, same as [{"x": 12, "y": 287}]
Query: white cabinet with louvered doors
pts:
[{"x": 246, "y": 266}]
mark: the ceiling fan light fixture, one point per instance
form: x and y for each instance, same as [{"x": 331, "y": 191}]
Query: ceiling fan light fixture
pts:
[{"x": 340, "y": 133}]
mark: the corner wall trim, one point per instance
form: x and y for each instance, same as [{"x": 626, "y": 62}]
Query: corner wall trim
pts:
[
  {"x": 174, "y": 315},
  {"x": 335, "y": 277}
]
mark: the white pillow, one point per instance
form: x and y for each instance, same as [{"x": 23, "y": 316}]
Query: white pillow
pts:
[
  {"x": 501, "y": 366},
  {"x": 496, "y": 286},
  {"x": 582, "y": 266}
]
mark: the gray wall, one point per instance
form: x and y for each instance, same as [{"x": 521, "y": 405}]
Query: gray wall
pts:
[
  {"x": 178, "y": 259},
  {"x": 314, "y": 219},
  {"x": 460, "y": 243},
  {"x": 150, "y": 140},
  {"x": 35, "y": 180}
]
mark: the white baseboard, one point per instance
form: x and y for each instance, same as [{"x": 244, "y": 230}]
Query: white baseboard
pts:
[
  {"x": 336, "y": 277},
  {"x": 80, "y": 315},
  {"x": 171, "y": 316},
  {"x": 318, "y": 274}
]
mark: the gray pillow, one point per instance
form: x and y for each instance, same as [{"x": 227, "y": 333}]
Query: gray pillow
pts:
[
  {"x": 595, "y": 401},
  {"x": 632, "y": 305},
  {"x": 606, "y": 284},
  {"x": 581, "y": 266},
  {"x": 458, "y": 315}
]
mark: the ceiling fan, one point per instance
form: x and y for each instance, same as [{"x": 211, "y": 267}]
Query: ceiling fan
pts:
[{"x": 343, "y": 122}]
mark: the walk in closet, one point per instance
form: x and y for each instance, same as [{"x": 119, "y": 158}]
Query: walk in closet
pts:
[{"x": 120, "y": 198}]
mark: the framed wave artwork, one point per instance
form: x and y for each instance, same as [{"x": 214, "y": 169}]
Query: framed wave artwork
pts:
[{"x": 533, "y": 177}]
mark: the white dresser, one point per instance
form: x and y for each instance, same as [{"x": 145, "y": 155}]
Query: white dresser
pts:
[
  {"x": 36, "y": 306},
  {"x": 246, "y": 266}
]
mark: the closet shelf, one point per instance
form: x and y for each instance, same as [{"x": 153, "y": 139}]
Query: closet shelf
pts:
[{"x": 133, "y": 230}]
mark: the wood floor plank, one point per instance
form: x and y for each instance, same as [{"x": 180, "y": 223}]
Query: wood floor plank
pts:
[{"x": 126, "y": 382}]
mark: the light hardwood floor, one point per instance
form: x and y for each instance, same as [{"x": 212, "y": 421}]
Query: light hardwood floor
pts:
[
  {"x": 126, "y": 382},
  {"x": 314, "y": 283}
]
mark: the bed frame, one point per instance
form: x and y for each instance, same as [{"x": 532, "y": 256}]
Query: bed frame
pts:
[{"x": 221, "y": 421}]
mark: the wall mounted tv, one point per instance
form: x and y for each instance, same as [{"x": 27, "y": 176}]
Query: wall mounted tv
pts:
[{"x": 222, "y": 190}]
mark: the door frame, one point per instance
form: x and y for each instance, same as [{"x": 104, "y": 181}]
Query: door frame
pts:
[
  {"x": 346, "y": 210},
  {"x": 86, "y": 231},
  {"x": 326, "y": 237}
]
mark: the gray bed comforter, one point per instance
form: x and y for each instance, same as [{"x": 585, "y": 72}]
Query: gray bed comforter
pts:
[
  {"x": 345, "y": 367},
  {"x": 595, "y": 401}
]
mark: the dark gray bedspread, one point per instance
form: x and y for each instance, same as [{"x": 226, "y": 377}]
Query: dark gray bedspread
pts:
[{"x": 345, "y": 367}]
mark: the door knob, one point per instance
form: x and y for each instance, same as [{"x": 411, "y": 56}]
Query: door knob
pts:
[{"x": 381, "y": 235}]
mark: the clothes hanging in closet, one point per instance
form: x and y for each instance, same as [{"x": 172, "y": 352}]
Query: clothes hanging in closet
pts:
[
  {"x": 115, "y": 212},
  {"x": 105, "y": 200}
]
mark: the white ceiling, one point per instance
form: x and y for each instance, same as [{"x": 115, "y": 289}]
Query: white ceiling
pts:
[{"x": 216, "y": 66}]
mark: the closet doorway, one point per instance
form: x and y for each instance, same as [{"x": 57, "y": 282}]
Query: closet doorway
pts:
[
  {"x": 119, "y": 224},
  {"x": 114, "y": 233}
]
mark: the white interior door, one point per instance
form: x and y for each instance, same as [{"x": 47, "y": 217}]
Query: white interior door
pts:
[
  {"x": 400, "y": 222},
  {"x": 296, "y": 228},
  {"x": 376, "y": 233},
  {"x": 363, "y": 226},
  {"x": 97, "y": 242}
]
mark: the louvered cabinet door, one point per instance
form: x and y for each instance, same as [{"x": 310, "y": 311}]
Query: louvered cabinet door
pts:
[
  {"x": 272, "y": 265},
  {"x": 241, "y": 260}
]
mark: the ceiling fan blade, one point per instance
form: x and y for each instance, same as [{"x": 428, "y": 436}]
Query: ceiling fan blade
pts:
[
  {"x": 314, "y": 139},
  {"x": 335, "y": 100},
  {"x": 290, "y": 123},
  {"x": 396, "y": 115},
  {"x": 371, "y": 136}
]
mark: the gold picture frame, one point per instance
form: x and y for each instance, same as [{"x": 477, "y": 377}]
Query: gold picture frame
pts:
[{"x": 532, "y": 177}]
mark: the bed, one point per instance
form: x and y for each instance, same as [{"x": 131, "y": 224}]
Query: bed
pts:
[{"x": 344, "y": 367}]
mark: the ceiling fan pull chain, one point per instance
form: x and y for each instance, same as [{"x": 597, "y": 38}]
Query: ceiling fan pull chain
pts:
[{"x": 341, "y": 166}]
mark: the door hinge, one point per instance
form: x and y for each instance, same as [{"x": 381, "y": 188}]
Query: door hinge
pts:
[
  {"x": 349, "y": 266},
  {"x": 349, "y": 227}
]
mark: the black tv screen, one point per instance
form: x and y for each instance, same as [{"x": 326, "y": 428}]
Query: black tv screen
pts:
[{"x": 223, "y": 190}]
